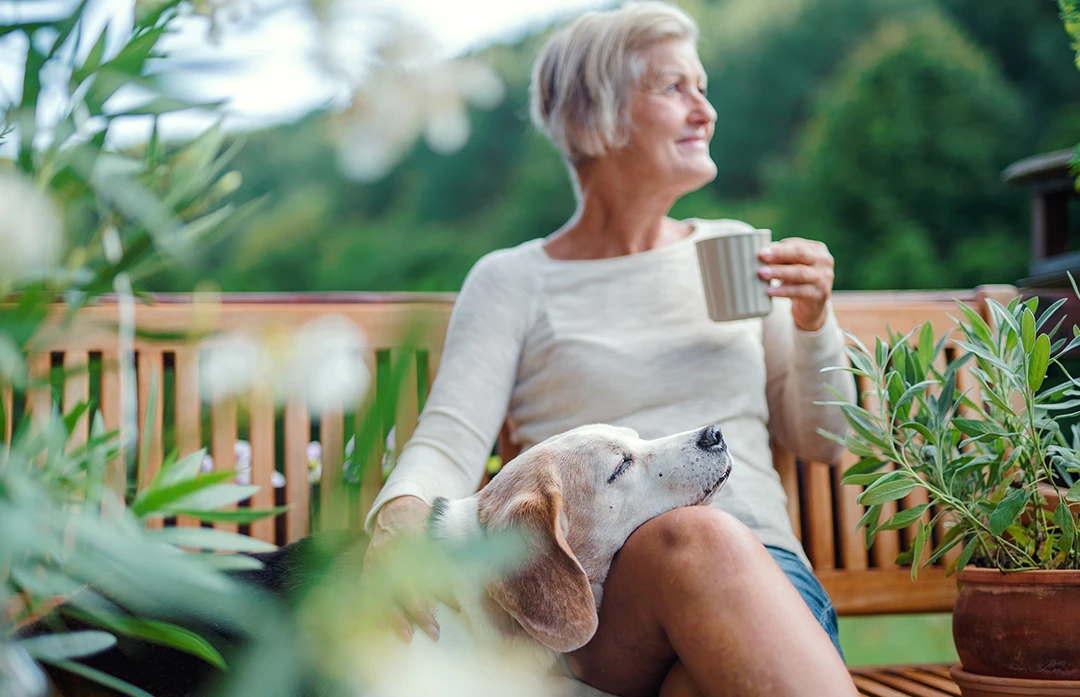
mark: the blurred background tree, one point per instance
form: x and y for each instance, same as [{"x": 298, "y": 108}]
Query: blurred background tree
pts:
[{"x": 878, "y": 126}]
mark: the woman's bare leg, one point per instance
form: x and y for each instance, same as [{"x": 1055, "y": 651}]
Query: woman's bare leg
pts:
[
  {"x": 695, "y": 585},
  {"x": 678, "y": 683}
]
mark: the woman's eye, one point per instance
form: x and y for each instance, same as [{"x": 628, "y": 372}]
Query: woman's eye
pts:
[{"x": 704, "y": 91}]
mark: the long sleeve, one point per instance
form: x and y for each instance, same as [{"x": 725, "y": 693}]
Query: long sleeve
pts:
[
  {"x": 470, "y": 395},
  {"x": 794, "y": 360}
]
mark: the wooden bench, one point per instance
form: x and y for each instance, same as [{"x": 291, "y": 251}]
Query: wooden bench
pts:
[{"x": 860, "y": 581}]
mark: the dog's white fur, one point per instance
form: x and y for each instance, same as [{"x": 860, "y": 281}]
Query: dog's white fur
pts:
[{"x": 576, "y": 498}]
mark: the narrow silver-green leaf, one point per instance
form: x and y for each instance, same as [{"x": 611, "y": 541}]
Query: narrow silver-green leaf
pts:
[
  {"x": 1040, "y": 359},
  {"x": 1027, "y": 329},
  {"x": 887, "y": 489},
  {"x": 905, "y": 517},
  {"x": 1007, "y": 511}
]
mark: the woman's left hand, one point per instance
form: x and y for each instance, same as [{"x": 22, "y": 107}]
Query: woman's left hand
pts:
[{"x": 805, "y": 271}]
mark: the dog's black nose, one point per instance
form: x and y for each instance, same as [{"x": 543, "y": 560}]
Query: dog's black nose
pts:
[{"x": 710, "y": 438}]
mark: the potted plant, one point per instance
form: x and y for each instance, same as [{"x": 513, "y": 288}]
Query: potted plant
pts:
[{"x": 1000, "y": 465}]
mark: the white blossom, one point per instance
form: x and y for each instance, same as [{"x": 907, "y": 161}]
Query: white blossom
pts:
[
  {"x": 31, "y": 231},
  {"x": 321, "y": 361}
]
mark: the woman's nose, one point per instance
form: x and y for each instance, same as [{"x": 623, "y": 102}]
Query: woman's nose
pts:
[{"x": 703, "y": 112}]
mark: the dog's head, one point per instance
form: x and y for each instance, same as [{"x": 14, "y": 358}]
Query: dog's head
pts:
[{"x": 577, "y": 497}]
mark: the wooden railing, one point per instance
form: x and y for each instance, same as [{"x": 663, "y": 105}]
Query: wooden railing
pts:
[{"x": 189, "y": 416}]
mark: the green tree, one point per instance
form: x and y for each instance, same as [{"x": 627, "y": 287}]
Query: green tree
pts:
[{"x": 899, "y": 168}]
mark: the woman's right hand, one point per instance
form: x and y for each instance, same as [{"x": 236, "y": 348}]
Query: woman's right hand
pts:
[{"x": 400, "y": 518}]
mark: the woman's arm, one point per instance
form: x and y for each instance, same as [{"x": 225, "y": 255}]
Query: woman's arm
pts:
[
  {"x": 794, "y": 360},
  {"x": 469, "y": 399}
]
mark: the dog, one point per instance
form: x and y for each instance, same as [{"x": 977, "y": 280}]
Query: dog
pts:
[
  {"x": 576, "y": 498},
  {"x": 573, "y": 500}
]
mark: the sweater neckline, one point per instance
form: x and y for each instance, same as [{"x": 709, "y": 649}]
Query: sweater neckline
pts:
[{"x": 694, "y": 235}]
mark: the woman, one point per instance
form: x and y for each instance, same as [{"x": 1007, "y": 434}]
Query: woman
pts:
[{"x": 605, "y": 321}]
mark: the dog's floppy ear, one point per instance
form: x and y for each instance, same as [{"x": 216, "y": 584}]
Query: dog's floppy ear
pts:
[{"x": 549, "y": 595}]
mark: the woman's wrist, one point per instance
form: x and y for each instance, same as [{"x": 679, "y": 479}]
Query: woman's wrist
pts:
[{"x": 404, "y": 514}]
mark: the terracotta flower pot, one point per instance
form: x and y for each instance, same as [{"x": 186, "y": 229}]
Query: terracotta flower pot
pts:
[{"x": 1019, "y": 625}]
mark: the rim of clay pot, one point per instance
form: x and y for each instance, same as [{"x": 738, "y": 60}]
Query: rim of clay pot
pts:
[
  {"x": 1036, "y": 577},
  {"x": 1044, "y": 687}
]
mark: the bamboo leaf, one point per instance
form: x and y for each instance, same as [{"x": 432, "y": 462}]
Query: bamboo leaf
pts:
[
  {"x": 154, "y": 499},
  {"x": 157, "y": 632},
  {"x": 57, "y": 647},
  {"x": 206, "y": 538},
  {"x": 240, "y": 515},
  {"x": 100, "y": 678}
]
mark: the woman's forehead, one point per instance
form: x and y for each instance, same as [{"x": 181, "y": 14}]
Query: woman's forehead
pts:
[{"x": 676, "y": 57}]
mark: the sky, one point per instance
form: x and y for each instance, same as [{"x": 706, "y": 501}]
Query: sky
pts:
[{"x": 262, "y": 59}]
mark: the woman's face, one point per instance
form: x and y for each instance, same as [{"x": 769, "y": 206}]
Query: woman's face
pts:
[{"x": 671, "y": 121}]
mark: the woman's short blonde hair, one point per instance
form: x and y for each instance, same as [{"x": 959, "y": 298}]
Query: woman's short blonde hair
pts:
[{"x": 584, "y": 73}]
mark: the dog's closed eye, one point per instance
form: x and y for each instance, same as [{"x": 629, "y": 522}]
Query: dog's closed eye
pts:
[{"x": 623, "y": 466}]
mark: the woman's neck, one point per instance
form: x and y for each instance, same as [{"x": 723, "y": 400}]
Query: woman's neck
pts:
[{"x": 614, "y": 221}]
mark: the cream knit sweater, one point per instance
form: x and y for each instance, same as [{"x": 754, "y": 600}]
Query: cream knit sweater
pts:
[{"x": 624, "y": 341}]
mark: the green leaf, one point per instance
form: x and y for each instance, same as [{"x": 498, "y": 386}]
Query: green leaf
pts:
[
  {"x": 206, "y": 538},
  {"x": 1063, "y": 518},
  {"x": 869, "y": 520},
  {"x": 1040, "y": 359},
  {"x": 946, "y": 544},
  {"x": 1027, "y": 328},
  {"x": 977, "y": 427},
  {"x": 211, "y": 498},
  {"x": 1007, "y": 510},
  {"x": 920, "y": 429},
  {"x": 965, "y": 556},
  {"x": 165, "y": 105},
  {"x": 917, "y": 549},
  {"x": 156, "y": 500},
  {"x": 100, "y": 678},
  {"x": 864, "y": 466},
  {"x": 926, "y": 346},
  {"x": 182, "y": 470},
  {"x": 976, "y": 328},
  {"x": 156, "y": 632},
  {"x": 57, "y": 647},
  {"x": 1073, "y": 494},
  {"x": 862, "y": 479},
  {"x": 857, "y": 446},
  {"x": 881, "y": 351},
  {"x": 905, "y": 517},
  {"x": 240, "y": 515},
  {"x": 92, "y": 62},
  {"x": 890, "y": 488},
  {"x": 229, "y": 562}
]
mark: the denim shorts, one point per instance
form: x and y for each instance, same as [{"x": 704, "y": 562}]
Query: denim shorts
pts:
[{"x": 811, "y": 591}]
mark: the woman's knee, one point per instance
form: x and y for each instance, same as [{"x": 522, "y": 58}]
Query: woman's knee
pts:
[{"x": 696, "y": 534}]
